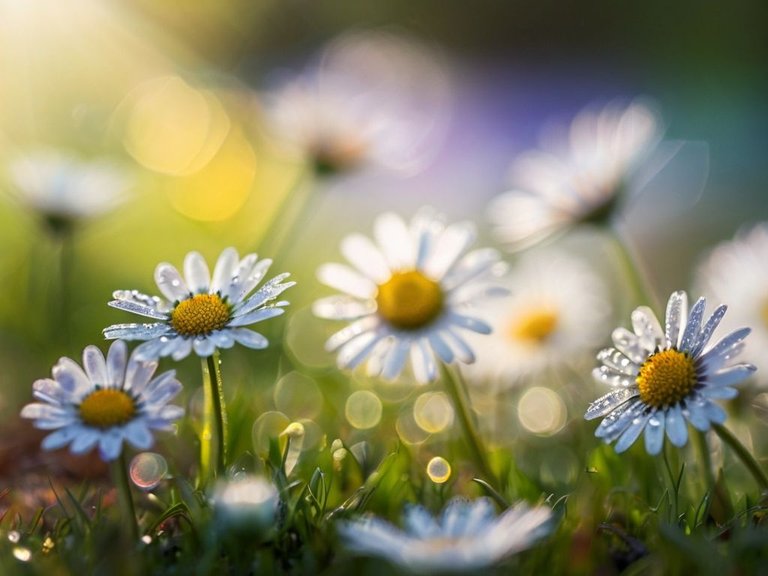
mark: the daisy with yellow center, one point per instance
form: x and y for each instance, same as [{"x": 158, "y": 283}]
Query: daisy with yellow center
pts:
[
  {"x": 105, "y": 403},
  {"x": 664, "y": 379},
  {"x": 468, "y": 536},
  {"x": 202, "y": 312},
  {"x": 406, "y": 297},
  {"x": 371, "y": 99},
  {"x": 579, "y": 177},
  {"x": 554, "y": 316}
]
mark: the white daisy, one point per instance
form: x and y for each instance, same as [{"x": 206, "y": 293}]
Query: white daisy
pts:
[
  {"x": 555, "y": 315},
  {"x": 407, "y": 296},
  {"x": 577, "y": 178},
  {"x": 63, "y": 187},
  {"x": 467, "y": 536},
  {"x": 111, "y": 401},
  {"x": 200, "y": 312},
  {"x": 663, "y": 378},
  {"x": 373, "y": 99},
  {"x": 735, "y": 272}
]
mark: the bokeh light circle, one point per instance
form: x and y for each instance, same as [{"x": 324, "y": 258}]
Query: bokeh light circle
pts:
[
  {"x": 147, "y": 470},
  {"x": 439, "y": 470},
  {"x": 363, "y": 409},
  {"x": 541, "y": 411},
  {"x": 433, "y": 412}
]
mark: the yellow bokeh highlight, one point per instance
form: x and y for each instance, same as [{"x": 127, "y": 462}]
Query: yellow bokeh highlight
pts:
[
  {"x": 363, "y": 409},
  {"x": 433, "y": 412},
  {"x": 217, "y": 191},
  {"x": 541, "y": 411},
  {"x": 268, "y": 425},
  {"x": 439, "y": 470},
  {"x": 171, "y": 127}
]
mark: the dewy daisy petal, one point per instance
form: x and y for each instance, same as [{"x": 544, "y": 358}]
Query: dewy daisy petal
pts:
[
  {"x": 467, "y": 536},
  {"x": 577, "y": 178},
  {"x": 406, "y": 296},
  {"x": 105, "y": 403},
  {"x": 663, "y": 378},
  {"x": 201, "y": 312}
]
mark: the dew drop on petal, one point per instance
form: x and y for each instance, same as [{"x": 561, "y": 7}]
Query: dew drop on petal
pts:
[{"x": 147, "y": 470}]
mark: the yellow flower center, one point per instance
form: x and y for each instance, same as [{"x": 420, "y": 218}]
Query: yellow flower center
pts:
[
  {"x": 409, "y": 300},
  {"x": 535, "y": 326},
  {"x": 764, "y": 312},
  {"x": 107, "y": 407},
  {"x": 201, "y": 314},
  {"x": 666, "y": 378}
]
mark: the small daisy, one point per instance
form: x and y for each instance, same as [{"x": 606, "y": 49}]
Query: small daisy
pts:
[
  {"x": 406, "y": 296},
  {"x": 248, "y": 502},
  {"x": 467, "y": 536},
  {"x": 373, "y": 99},
  {"x": 735, "y": 272},
  {"x": 201, "y": 313},
  {"x": 106, "y": 403},
  {"x": 555, "y": 315},
  {"x": 663, "y": 378},
  {"x": 579, "y": 177},
  {"x": 64, "y": 188}
]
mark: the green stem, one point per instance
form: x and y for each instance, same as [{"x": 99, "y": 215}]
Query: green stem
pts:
[
  {"x": 455, "y": 388},
  {"x": 746, "y": 458},
  {"x": 700, "y": 439},
  {"x": 119, "y": 469},
  {"x": 641, "y": 290},
  {"x": 213, "y": 443}
]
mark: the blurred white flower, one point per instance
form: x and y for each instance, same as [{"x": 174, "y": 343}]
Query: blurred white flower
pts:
[
  {"x": 407, "y": 296},
  {"x": 577, "y": 177},
  {"x": 248, "y": 502},
  {"x": 467, "y": 536},
  {"x": 202, "y": 312},
  {"x": 374, "y": 98},
  {"x": 62, "y": 187},
  {"x": 555, "y": 315},
  {"x": 105, "y": 403},
  {"x": 736, "y": 272},
  {"x": 663, "y": 379}
]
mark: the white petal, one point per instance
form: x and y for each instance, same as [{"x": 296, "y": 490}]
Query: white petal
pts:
[
  {"x": 117, "y": 358},
  {"x": 442, "y": 349},
  {"x": 423, "y": 362},
  {"x": 70, "y": 377},
  {"x": 395, "y": 360},
  {"x": 450, "y": 245},
  {"x": 224, "y": 270},
  {"x": 342, "y": 307},
  {"x": 693, "y": 327},
  {"x": 136, "y": 331},
  {"x": 366, "y": 257},
  {"x": 394, "y": 238},
  {"x": 677, "y": 310},
  {"x": 138, "y": 374},
  {"x": 170, "y": 282},
  {"x": 249, "y": 338},
  {"x": 346, "y": 280},
  {"x": 609, "y": 402},
  {"x": 356, "y": 350},
  {"x": 196, "y": 273},
  {"x": 95, "y": 366},
  {"x": 255, "y": 316},
  {"x": 647, "y": 329}
]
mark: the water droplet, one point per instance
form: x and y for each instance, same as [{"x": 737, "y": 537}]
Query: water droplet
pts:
[{"x": 147, "y": 470}]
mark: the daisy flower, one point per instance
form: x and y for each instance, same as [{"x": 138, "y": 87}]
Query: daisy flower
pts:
[
  {"x": 64, "y": 188},
  {"x": 467, "y": 536},
  {"x": 555, "y": 315},
  {"x": 662, "y": 379},
  {"x": 735, "y": 272},
  {"x": 104, "y": 403},
  {"x": 247, "y": 502},
  {"x": 200, "y": 312},
  {"x": 407, "y": 296},
  {"x": 577, "y": 178},
  {"x": 373, "y": 99}
]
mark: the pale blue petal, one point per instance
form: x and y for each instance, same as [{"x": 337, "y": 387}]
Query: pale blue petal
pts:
[
  {"x": 677, "y": 310},
  {"x": 654, "y": 433},
  {"x": 249, "y": 338},
  {"x": 677, "y": 429},
  {"x": 729, "y": 376},
  {"x": 117, "y": 358},
  {"x": 631, "y": 433},
  {"x": 95, "y": 366}
]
